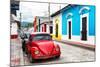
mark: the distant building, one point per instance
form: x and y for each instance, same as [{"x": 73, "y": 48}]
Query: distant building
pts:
[
  {"x": 35, "y": 24},
  {"x": 75, "y": 23},
  {"x": 42, "y": 24}
]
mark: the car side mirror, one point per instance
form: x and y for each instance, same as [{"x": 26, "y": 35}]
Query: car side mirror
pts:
[
  {"x": 30, "y": 39},
  {"x": 51, "y": 37}
]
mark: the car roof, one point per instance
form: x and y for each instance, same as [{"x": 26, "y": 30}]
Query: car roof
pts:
[{"x": 35, "y": 33}]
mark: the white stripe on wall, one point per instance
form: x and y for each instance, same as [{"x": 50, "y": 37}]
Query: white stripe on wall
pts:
[{"x": 91, "y": 39}]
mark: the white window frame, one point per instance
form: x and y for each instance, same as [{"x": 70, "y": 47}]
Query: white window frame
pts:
[
  {"x": 68, "y": 27},
  {"x": 87, "y": 8},
  {"x": 69, "y": 14},
  {"x": 81, "y": 16}
]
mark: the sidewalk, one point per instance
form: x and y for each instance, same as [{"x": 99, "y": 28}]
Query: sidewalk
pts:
[
  {"x": 15, "y": 52},
  {"x": 78, "y": 44}
]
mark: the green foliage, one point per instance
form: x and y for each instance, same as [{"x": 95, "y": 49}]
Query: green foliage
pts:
[
  {"x": 30, "y": 25},
  {"x": 27, "y": 25}
]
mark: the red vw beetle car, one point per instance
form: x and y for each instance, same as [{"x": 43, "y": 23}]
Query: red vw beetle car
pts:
[{"x": 41, "y": 46}]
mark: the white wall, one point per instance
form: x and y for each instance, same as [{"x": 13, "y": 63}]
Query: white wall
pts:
[
  {"x": 47, "y": 28},
  {"x": 90, "y": 40},
  {"x": 14, "y": 28}
]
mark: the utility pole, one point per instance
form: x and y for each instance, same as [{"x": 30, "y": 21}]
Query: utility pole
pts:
[
  {"x": 59, "y": 7},
  {"x": 49, "y": 11},
  {"x": 20, "y": 20}
]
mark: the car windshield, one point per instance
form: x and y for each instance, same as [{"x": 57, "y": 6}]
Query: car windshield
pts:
[{"x": 42, "y": 37}]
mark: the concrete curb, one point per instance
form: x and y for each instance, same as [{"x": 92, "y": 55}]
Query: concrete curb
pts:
[{"x": 78, "y": 44}]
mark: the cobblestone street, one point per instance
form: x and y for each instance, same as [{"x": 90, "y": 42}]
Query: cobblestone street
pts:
[{"x": 68, "y": 54}]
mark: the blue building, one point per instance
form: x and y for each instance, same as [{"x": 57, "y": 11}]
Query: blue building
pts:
[{"x": 77, "y": 23}]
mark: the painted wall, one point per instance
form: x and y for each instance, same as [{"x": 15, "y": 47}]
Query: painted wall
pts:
[
  {"x": 59, "y": 18},
  {"x": 14, "y": 29},
  {"x": 42, "y": 28},
  {"x": 76, "y": 19}
]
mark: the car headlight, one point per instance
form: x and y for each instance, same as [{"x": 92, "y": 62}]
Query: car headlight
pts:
[
  {"x": 36, "y": 52},
  {"x": 57, "y": 48}
]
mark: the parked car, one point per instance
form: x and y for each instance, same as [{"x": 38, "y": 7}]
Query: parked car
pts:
[{"x": 41, "y": 46}]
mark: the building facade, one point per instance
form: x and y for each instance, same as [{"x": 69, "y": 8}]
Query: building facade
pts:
[
  {"x": 57, "y": 26},
  {"x": 76, "y": 23},
  {"x": 43, "y": 25},
  {"x": 14, "y": 21}
]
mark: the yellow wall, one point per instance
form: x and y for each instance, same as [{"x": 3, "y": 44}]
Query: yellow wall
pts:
[{"x": 56, "y": 21}]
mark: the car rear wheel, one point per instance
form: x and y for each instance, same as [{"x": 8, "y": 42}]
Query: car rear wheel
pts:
[{"x": 57, "y": 56}]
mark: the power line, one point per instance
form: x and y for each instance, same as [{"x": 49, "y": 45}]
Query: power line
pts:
[{"x": 44, "y": 2}]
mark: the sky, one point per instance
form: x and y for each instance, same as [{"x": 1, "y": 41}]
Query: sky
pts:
[{"x": 29, "y": 10}]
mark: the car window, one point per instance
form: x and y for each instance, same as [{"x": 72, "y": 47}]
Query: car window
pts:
[{"x": 41, "y": 37}]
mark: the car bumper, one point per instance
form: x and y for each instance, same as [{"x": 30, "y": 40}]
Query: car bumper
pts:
[{"x": 46, "y": 56}]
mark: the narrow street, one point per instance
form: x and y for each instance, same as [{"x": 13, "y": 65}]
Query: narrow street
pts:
[
  {"x": 68, "y": 54},
  {"x": 72, "y": 26}
]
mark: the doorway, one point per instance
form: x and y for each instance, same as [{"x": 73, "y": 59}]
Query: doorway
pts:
[
  {"x": 44, "y": 27},
  {"x": 56, "y": 30},
  {"x": 84, "y": 28},
  {"x": 69, "y": 30},
  {"x": 51, "y": 29}
]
